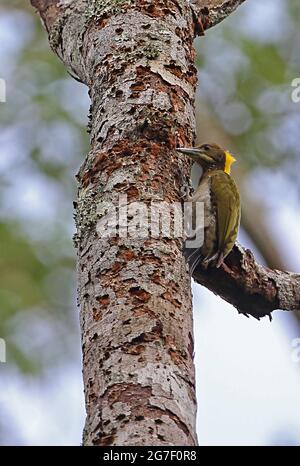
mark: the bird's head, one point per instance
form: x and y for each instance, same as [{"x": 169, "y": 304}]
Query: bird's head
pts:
[{"x": 209, "y": 156}]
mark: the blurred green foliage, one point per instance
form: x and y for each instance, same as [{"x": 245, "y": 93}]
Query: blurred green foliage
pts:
[
  {"x": 42, "y": 142},
  {"x": 248, "y": 63}
]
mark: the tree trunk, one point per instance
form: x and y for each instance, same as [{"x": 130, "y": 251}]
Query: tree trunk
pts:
[{"x": 137, "y": 59}]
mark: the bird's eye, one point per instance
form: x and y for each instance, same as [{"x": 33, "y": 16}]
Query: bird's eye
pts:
[{"x": 206, "y": 147}]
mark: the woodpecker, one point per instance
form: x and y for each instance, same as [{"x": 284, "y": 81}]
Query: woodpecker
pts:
[{"x": 222, "y": 207}]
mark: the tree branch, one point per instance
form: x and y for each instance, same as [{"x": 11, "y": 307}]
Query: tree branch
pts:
[
  {"x": 250, "y": 287},
  {"x": 209, "y": 13},
  {"x": 48, "y": 10}
]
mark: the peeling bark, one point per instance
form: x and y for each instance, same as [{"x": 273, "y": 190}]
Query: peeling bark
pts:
[{"x": 137, "y": 58}]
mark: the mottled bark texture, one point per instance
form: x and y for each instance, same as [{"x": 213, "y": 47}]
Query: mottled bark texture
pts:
[{"x": 137, "y": 58}]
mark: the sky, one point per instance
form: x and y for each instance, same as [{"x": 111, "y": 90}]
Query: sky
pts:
[{"x": 247, "y": 379}]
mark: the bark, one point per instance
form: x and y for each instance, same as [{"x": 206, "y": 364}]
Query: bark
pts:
[{"x": 137, "y": 59}]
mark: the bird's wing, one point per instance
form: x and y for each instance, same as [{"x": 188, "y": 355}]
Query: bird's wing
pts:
[{"x": 226, "y": 196}]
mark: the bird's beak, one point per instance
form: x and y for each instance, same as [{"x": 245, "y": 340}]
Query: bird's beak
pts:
[{"x": 196, "y": 154}]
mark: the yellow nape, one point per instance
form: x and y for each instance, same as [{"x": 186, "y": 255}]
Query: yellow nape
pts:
[{"x": 229, "y": 160}]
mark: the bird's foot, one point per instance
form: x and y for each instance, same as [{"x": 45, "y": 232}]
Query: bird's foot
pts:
[
  {"x": 222, "y": 264},
  {"x": 220, "y": 260},
  {"x": 227, "y": 268},
  {"x": 210, "y": 261},
  {"x": 217, "y": 260}
]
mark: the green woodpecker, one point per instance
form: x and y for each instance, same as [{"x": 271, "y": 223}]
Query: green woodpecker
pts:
[{"x": 220, "y": 197}]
